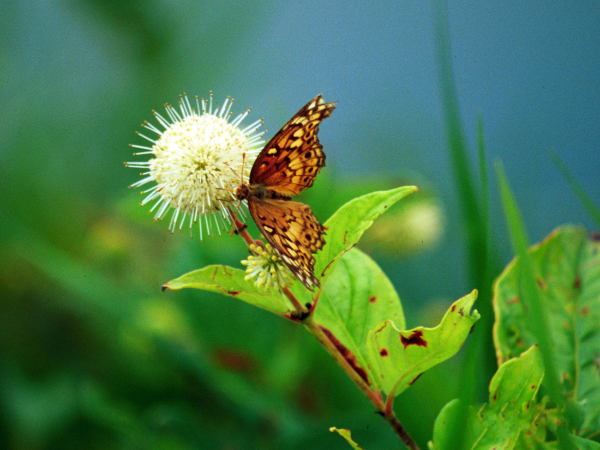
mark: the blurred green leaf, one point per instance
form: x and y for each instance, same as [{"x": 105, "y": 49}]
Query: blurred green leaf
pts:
[
  {"x": 37, "y": 408},
  {"x": 346, "y": 435},
  {"x": 474, "y": 207},
  {"x": 413, "y": 226},
  {"x": 399, "y": 357},
  {"x": 567, "y": 269},
  {"x": 357, "y": 297}
]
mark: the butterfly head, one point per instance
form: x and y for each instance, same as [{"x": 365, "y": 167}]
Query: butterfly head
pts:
[{"x": 242, "y": 192}]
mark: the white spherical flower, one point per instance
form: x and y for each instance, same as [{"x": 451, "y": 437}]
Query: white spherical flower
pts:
[
  {"x": 268, "y": 269},
  {"x": 199, "y": 157}
]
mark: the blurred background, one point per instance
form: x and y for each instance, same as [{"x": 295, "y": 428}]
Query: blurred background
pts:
[{"x": 94, "y": 355}]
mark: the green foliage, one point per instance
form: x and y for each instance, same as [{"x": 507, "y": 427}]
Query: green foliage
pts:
[
  {"x": 349, "y": 222},
  {"x": 511, "y": 409},
  {"x": 345, "y": 228},
  {"x": 547, "y": 296},
  {"x": 399, "y": 357},
  {"x": 567, "y": 269},
  {"x": 530, "y": 294},
  {"x": 357, "y": 297},
  {"x": 358, "y": 307}
]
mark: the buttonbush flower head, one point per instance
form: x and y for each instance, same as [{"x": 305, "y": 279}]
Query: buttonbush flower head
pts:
[
  {"x": 198, "y": 159},
  {"x": 267, "y": 267}
]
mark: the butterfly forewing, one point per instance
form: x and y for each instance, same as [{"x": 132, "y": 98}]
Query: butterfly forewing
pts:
[{"x": 291, "y": 160}]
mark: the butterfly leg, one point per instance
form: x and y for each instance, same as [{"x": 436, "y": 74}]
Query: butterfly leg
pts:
[
  {"x": 238, "y": 226},
  {"x": 314, "y": 305}
]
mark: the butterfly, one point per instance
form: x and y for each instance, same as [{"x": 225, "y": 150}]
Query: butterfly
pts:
[{"x": 286, "y": 166}]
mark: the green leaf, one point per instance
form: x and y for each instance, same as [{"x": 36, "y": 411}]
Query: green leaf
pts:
[
  {"x": 357, "y": 297},
  {"x": 346, "y": 435},
  {"x": 398, "y": 357},
  {"x": 345, "y": 228},
  {"x": 510, "y": 410},
  {"x": 585, "y": 444},
  {"x": 349, "y": 222},
  {"x": 567, "y": 269},
  {"x": 230, "y": 281}
]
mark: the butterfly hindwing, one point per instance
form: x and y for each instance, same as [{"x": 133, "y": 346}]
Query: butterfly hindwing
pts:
[
  {"x": 293, "y": 230},
  {"x": 291, "y": 160}
]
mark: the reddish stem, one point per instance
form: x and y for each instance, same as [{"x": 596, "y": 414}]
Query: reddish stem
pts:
[
  {"x": 374, "y": 397},
  {"x": 385, "y": 409}
]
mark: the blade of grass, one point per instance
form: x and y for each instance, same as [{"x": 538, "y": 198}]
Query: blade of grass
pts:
[
  {"x": 491, "y": 267},
  {"x": 488, "y": 269},
  {"x": 485, "y": 211},
  {"x": 475, "y": 216},
  {"x": 458, "y": 150},
  {"x": 584, "y": 198},
  {"x": 530, "y": 297},
  {"x": 480, "y": 364}
]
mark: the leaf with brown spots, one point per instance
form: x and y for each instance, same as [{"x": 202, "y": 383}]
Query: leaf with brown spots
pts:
[
  {"x": 356, "y": 279},
  {"x": 398, "y": 357},
  {"x": 567, "y": 267}
]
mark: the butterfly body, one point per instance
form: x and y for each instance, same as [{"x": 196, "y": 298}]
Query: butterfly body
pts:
[
  {"x": 258, "y": 192},
  {"x": 286, "y": 166}
]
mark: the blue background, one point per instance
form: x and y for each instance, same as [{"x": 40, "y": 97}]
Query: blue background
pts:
[{"x": 78, "y": 78}]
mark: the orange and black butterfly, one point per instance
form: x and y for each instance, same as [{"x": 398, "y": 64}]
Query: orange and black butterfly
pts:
[{"x": 286, "y": 166}]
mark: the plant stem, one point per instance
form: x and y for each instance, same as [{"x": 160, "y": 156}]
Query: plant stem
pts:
[
  {"x": 384, "y": 409},
  {"x": 241, "y": 229},
  {"x": 375, "y": 398},
  {"x": 290, "y": 295}
]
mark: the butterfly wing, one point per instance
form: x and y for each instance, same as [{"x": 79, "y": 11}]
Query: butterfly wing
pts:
[
  {"x": 293, "y": 230},
  {"x": 291, "y": 160}
]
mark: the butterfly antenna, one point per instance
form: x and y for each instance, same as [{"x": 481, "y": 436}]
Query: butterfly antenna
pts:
[
  {"x": 237, "y": 208},
  {"x": 243, "y": 167}
]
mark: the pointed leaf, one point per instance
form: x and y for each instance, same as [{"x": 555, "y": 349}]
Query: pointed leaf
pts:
[
  {"x": 510, "y": 410},
  {"x": 399, "y": 357},
  {"x": 357, "y": 297},
  {"x": 346, "y": 435},
  {"x": 586, "y": 444},
  {"x": 230, "y": 281},
  {"x": 567, "y": 268},
  {"x": 349, "y": 222}
]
